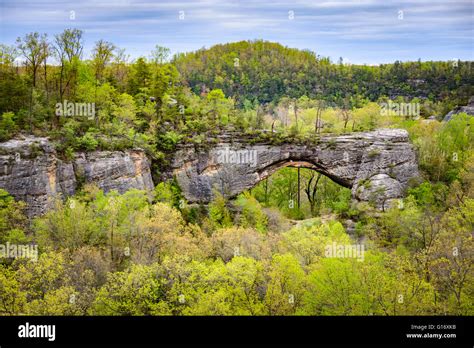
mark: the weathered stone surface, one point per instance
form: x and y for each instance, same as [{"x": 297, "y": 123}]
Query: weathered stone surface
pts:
[
  {"x": 468, "y": 109},
  {"x": 377, "y": 165},
  {"x": 30, "y": 170}
]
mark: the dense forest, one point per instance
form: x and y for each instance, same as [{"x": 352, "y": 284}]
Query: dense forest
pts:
[
  {"x": 266, "y": 72},
  {"x": 136, "y": 253}
]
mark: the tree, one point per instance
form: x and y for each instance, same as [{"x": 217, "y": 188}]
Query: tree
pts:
[
  {"x": 68, "y": 47},
  {"x": 31, "y": 47},
  {"x": 251, "y": 214},
  {"x": 12, "y": 297},
  {"x": 219, "y": 215},
  {"x": 12, "y": 217},
  {"x": 7, "y": 126},
  {"x": 46, "y": 51},
  {"x": 311, "y": 188},
  {"x": 451, "y": 259},
  {"x": 160, "y": 54},
  {"x": 380, "y": 285},
  {"x": 8, "y": 54},
  {"x": 345, "y": 114},
  {"x": 318, "y": 122},
  {"x": 285, "y": 288},
  {"x": 102, "y": 54},
  {"x": 216, "y": 99},
  {"x": 119, "y": 69},
  {"x": 70, "y": 225},
  {"x": 125, "y": 110},
  {"x": 140, "y": 76},
  {"x": 135, "y": 291}
]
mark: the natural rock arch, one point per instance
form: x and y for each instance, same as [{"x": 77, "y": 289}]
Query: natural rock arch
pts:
[{"x": 377, "y": 166}]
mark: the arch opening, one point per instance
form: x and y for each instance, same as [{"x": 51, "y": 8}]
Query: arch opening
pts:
[
  {"x": 301, "y": 190},
  {"x": 298, "y": 163}
]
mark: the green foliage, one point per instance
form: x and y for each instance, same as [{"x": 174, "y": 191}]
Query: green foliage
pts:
[
  {"x": 429, "y": 194},
  {"x": 341, "y": 203},
  {"x": 286, "y": 285},
  {"x": 88, "y": 142},
  {"x": 7, "y": 126},
  {"x": 140, "y": 76},
  {"x": 344, "y": 286},
  {"x": 71, "y": 225},
  {"x": 133, "y": 292},
  {"x": 251, "y": 214},
  {"x": 444, "y": 148},
  {"x": 243, "y": 70},
  {"x": 168, "y": 192},
  {"x": 168, "y": 140},
  {"x": 12, "y": 219},
  {"x": 157, "y": 264},
  {"x": 219, "y": 215},
  {"x": 128, "y": 254}
]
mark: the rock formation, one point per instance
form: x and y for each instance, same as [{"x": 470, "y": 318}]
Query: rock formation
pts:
[
  {"x": 30, "y": 170},
  {"x": 377, "y": 166},
  {"x": 468, "y": 109}
]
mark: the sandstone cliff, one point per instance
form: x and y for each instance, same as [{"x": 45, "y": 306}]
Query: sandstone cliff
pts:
[
  {"x": 377, "y": 166},
  {"x": 30, "y": 170}
]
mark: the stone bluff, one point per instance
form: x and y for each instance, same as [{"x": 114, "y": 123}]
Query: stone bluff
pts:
[
  {"x": 377, "y": 166},
  {"x": 31, "y": 171}
]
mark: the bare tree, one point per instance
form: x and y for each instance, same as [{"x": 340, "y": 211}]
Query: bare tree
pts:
[
  {"x": 346, "y": 116},
  {"x": 45, "y": 46},
  {"x": 160, "y": 54},
  {"x": 312, "y": 188},
  {"x": 345, "y": 112},
  {"x": 295, "y": 109},
  {"x": 119, "y": 67},
  {"x": 318, "y": 122}
]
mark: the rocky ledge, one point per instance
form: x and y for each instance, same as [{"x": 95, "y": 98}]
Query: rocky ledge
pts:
[
  {"x": 377, "y": 166},
  {"x": 31, "y": 171}
]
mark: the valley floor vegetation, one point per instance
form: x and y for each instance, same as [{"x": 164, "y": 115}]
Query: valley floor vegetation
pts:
[{"x": 149, "y": 253}]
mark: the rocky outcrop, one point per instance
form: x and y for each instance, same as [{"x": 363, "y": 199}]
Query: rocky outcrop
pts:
[
  {"x": 468, "y": 109},
  {"x": 30, "y": 170},
  {"x": 377, "y": 166}
]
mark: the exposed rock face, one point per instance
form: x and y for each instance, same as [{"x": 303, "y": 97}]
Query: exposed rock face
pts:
[
  {"x": 377, "y": 166},
  {"x": 31, "y": 171},
  {"x": 468, "y": 109}
]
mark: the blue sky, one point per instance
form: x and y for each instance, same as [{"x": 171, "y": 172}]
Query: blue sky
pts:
[{"x": 360, "y": 31}]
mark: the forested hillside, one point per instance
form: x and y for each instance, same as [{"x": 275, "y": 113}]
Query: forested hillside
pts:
[{"x": 266, "y": 71}]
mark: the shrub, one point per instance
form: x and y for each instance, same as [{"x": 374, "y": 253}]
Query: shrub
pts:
[
  {"x": 88, "y": 142},
  {"x": 252, "y": 214},
  {"x": 7, "y": 126},
  {"x": 218, "y": 212}
]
